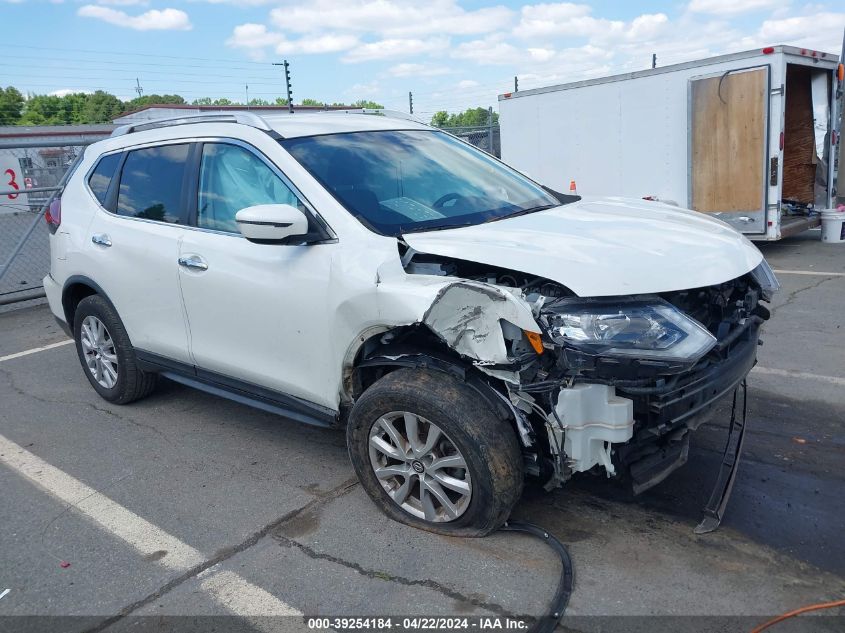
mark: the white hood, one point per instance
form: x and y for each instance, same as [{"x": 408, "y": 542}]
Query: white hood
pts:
[{"x": 604, "y": 247}]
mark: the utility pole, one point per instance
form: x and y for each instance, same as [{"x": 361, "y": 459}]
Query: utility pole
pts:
[
  {"x": 247, "y": 95},
  {"x": 411, "y": 102},
  {"x": 287, "y": 84},
  {"x": 654, "y": 60},
  {"x": 515, "y": 83},
  {"x": 840, "y": 143},
  {"x": 138, "y": 88}
]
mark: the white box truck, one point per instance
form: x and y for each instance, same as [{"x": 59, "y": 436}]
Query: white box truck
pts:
[{"x": 747, "y": 137}]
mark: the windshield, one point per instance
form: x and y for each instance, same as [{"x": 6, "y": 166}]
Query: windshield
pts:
[{"x": 415, "y": 180}]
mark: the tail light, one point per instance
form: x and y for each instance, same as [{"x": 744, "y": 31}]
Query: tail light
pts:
[{"x": 53, "y": 214}]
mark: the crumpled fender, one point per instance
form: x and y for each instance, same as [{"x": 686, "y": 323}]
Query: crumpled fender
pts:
[{"x": 467, "y": 315}]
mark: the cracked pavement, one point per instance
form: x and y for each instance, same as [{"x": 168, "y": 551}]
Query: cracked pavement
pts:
[{"x": 276, "y": 502}]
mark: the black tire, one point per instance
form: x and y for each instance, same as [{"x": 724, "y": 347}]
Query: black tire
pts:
[
  {"x": 132, "y": 383},
  {"x": 488, "y": 444}
]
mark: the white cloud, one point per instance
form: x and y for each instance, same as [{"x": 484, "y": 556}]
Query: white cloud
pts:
[
  {"x": 122, "y": 3},
  {"x": 417, "y": 70},
  {"x": 391, "y": 19},
  {"x": 152, "y": 20},
  {"x": 488, "y": 51},
  {"x": 820, "y": 31},
  {"x": 394, "y": 47},
  {"x": 565, "y": 19},
  {"x": 468, "y": 83},
  {"x": 732, "y": 7},
  {"x": 69, "y": 91},
  {"x": 329, "y": 43}
]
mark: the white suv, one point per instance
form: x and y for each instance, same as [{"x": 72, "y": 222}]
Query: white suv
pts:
[{"x": 466, "y": 326}]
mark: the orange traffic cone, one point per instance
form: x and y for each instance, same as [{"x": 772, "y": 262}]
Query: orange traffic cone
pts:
[{"x": 572, "y": 190}]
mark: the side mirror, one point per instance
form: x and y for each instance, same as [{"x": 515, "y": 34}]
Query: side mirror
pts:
[{"x": 271, "y": 223}]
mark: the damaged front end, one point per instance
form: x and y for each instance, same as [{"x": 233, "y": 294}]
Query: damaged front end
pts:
[{"x": 613, "y": 384}]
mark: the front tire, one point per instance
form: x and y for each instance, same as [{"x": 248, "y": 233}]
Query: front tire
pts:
[
  {"x": 431, "y": 453},
  {"x": 106, "y": 354}
]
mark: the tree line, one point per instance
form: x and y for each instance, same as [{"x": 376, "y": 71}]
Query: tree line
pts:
[{"x": 102, "y": 107}]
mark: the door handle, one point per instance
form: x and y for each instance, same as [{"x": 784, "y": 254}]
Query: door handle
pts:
[
  {"x": 194, "y": 262},
  {"x": 101, "y": 239}
]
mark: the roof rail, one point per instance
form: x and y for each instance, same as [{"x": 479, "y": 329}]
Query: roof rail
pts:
[
  {"x": 245, "y": 118},
  {"x": 393, "y": 114}
]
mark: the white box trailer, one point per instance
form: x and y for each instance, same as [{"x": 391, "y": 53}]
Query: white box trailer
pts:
[{"x": 747, "y": 136}]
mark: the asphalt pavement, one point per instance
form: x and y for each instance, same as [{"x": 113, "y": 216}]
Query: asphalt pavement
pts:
[{"x": 185, "y": 504}]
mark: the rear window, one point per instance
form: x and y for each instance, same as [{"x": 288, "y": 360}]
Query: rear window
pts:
[
  {"x": 100, "y": 178},
  {"x": 151, "y": 184}
]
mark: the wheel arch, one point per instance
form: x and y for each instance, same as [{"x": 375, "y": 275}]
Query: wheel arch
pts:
[
  {"x": 75, "y": 289},
  {"x": 381, "y": 350}
]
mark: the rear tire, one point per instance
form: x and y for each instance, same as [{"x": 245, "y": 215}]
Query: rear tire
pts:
[
  {"x": 416, "y": 403},
  {"x": 106, "y": 355}
]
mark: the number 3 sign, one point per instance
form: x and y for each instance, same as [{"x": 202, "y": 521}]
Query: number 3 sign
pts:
[{"x": 11, "y": 181}]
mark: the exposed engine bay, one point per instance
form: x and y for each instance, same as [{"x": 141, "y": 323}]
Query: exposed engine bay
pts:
[{"x": 611, "y": 383}]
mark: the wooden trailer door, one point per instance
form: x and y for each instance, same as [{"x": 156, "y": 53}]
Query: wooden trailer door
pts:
[{"x": 728, "y": 146}]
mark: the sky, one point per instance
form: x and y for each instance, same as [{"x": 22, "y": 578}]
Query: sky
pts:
[{"x": 452, "y": 54}]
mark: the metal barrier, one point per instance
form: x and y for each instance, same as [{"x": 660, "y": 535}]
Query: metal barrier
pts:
[{"x": 31, "y": 174}]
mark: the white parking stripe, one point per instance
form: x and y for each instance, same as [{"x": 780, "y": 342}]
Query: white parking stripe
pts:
[
  {"x": 35, "y": 350},
  {"x": 815, "y": 273},
  {"x": 787, "y": 373},
  {"x": 145, "y": 537},
  {"x": 241, "y": 597}
]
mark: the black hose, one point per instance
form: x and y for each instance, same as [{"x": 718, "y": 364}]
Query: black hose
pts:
[{"x": 547, "y": 623}]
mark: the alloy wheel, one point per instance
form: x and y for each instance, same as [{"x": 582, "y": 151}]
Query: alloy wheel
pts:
[
  {"x": 419, "y": 467},
  {"x": 98, "y": 350}
]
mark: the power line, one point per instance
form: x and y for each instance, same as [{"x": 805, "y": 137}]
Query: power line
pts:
[{"x": 102, "y": 52}]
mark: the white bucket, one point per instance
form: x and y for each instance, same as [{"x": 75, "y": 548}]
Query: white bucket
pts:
[{"x": 833, "y": 225}]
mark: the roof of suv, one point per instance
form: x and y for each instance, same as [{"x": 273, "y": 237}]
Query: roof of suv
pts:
[{"x": 289, "y": 125}]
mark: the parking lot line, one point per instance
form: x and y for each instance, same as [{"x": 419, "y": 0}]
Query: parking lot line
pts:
[
  {"x": 787, "y": 373},
  {"x": 815, "y": 273},
  {"x": 35, "y": 350},
  {"x": 227, "y": 588}
]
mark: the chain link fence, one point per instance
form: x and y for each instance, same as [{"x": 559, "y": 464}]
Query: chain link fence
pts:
[
  {"x": 486, "y": 137},
  {"x": 30, "y": 175}
]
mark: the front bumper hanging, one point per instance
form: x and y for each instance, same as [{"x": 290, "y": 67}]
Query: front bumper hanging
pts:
[{"x": 713, "y": 512}]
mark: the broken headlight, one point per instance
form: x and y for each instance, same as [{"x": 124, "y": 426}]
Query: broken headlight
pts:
[
  {"x": 765, "y": 278},
  {"x": 642, "y": 328}
]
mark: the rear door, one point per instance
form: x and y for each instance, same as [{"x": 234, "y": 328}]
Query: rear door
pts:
[
  {"x": 134, "y": 246},
  {"x": 729, "y": 115}
]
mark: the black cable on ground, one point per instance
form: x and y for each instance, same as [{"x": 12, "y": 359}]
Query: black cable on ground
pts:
[{"x": 547, "y": 623}]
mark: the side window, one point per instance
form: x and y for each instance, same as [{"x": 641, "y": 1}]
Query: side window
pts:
[
  {"x": 100, "y": 178},
  {"x": 233, "y": 178},
  {"x": 151, "y": 184}
]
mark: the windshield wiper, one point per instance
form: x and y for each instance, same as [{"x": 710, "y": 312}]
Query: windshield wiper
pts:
[{"x": 523, "y": 212}]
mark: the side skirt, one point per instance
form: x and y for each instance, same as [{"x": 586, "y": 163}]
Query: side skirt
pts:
[{"x": 238, "y": 390}]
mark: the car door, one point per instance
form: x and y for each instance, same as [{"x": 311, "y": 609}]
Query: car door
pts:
[
  {"x": 134, "y": 245},
  {"x": 256, "y": 312}
]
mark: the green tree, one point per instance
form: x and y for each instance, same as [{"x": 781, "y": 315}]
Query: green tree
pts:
[
  {"x": 153, "y": 99},
  {"x": 11, "y": 105},
  {"x": 468, "y": 118},
  {"x": 312, "y": 102},
  {"x": 204, "y": 101},
  {"x": 43, "y": 110},
  {"x": 281, "y": 101},
  {"x": 440, "y": 118},
  {"x": 364, "y": 103},
  {"x": 259, "y": 102},
  {"x": 101, "y": 107}
]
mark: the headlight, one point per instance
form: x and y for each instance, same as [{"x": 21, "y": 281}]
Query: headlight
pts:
[
  {"x": 646, "y": 329},
  {"x": 765, "y": 277}
]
